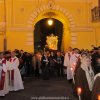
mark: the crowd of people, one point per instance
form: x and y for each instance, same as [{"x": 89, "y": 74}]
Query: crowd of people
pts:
[
  {"x": 81, "y": 66},
  {"x": 83, "y": 70}
]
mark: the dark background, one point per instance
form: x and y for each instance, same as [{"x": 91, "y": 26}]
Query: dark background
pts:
[{"x": 42, "y": 30}]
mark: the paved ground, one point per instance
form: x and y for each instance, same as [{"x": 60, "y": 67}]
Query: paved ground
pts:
[{"x": 42, "y": 88}]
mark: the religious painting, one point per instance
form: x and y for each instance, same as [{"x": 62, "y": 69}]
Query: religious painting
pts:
[{"x": 52, "y": 41}]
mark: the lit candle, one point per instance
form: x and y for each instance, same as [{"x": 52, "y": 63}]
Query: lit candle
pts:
[
  {"x": 79, "y": 91},
  {"x": 99, "y": 97},
  {"x": 74, "y": 64},
  {"x": 73, "y": 74},
  {"x": 71, "y": 69}
]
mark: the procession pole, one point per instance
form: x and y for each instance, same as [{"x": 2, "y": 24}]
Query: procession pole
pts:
[{"x": 5, "y": 37}]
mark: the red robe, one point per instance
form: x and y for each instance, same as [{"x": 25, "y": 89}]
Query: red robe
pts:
[
  {"x": 2, "y": 81},
  {"x": 11, "y": 74}
]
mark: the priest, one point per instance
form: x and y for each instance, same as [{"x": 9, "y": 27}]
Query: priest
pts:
[
  {"x": 4, "y": 88},
  {"x": 15, "y": 81}
]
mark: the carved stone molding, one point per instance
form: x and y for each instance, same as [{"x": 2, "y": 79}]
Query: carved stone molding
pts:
[
  {"x": 74, "y": 29},
  {"x": 20, "y": 29},
  {"x": 51, "y": 6},
  {"x": 82, "y": 29}
]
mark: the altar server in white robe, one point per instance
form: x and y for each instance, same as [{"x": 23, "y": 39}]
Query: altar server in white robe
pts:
[
  {"x": 67, "y": 63},
  {"x": 4, "y": 87},
  {"x": 14, "y": 74},
  {"x": 74, "y": 59},
  {"x": 71, "y": 58}
]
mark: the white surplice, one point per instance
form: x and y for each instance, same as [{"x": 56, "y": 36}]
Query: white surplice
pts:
[
  {"x": 70, "y": 61},
  {"x": 73, "y": 60},
  {"x": 18, "y": 84},
  {"x": 67, "y": 64},
  {"x": 6, "y": 86}
]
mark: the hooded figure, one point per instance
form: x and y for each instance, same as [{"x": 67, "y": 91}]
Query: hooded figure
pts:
[
  {"x": 96, "y": 87},
  {"x": 85, "y": 78}
]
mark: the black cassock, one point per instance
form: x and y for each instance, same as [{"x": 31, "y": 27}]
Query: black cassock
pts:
[
  {"x": 81, "y": 81},
  {"x": 45, "y": 61},
  {"x": 96, "y": 89}
]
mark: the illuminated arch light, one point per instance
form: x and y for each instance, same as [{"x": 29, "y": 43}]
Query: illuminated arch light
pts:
[{"x": 50, "y": 22}]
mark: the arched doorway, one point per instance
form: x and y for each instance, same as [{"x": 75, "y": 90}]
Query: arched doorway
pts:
[
  {"x": 58, "y": 16},
  {"x": 43, "y": 30},
  {"x": 58, "y": 13}
]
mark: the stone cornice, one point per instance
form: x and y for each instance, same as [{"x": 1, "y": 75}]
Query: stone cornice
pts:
[
  {"x": 82, "y": 29},
  {"x": 74, "y": 1},
  {"x": 72, "y": 29}
]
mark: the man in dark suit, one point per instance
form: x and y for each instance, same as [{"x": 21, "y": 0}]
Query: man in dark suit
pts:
[
  {"x": 59, "y": 64},
  {"x": 45, "y": 61}
]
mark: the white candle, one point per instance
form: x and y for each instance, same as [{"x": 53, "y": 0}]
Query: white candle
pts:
[
  {"x": 79, "y": 91},
  {"x": 73, "y": 74}
]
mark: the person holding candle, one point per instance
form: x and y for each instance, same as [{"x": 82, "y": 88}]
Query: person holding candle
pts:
[
  {"x": 85, "y": 78},
  {"x": 67, "y": 64},
  {"x": 96, "y": 88},
  {"x": 70, "y": 60}
]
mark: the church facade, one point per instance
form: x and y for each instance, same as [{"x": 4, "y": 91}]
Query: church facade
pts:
[{"x": 18, "y": 18}]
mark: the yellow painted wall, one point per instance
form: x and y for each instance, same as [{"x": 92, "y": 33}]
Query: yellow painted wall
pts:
[
  {"x": 85, "y": 40},
  {"x": 94, "y": 3},
  {"x": 1, "y": 20},
  {"x": 1, "y": 43},
  {"x": 19, "y": 12},
  {"x": 18, "y": 40},
  {"x": 78, "y": 10},
  {"x": 96, "y": 25},
  {"x": 97, "y": 35}
]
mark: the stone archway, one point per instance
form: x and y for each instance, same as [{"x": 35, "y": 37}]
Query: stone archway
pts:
[{"x": 57, "y": 13}]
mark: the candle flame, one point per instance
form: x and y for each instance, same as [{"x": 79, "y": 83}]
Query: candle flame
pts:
[
  {"x": 99, "y": 97},
  {"x": 71, "y": 69},
  {"x": 79, "y": 90},
  {"x": 74, "y": 64}
]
